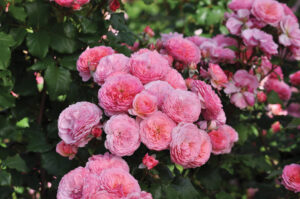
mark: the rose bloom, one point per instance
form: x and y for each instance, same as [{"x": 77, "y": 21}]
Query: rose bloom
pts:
[
  {"x": 119, "y": 182},
  {"x": 220, "y": 141},
  {"x": 89, "y": 59},
  {"x": 66, "y": 150},
  {"x": 276, "y": 127},
  {"x": 294, "y": 109},
  {"x": 288, "y": 11},
  {"x": 235, "y": 22},
  {"x": 197, "y": 40},
  {"x": 291, "y": 177},
  {"x": 159, "y": 89},
  {"x": 117, "y": 93},
  {"x": 238, "y": 4},
  {"x": 190, "y": 147},
  {"x": 280, "y": 87},
  {"x": 268, "y": 11},
  {"x": 109, "y": 65},
  {"x": 175, "y": 79},
  {"x": 97, "y": 163},
  {"x": 218, "y": 77},
  {"x": 275, "y": 109},
  {"x": 71, "y": 185},
  {"x": 183, "y": 50},
  {"x": 261, "y": 97},
  {"x": 103, "y": 194},
  {"x": 139, "y": 195},
  {"x": 182, "y": 106},
  {"x": 155, "y": 131},
  {"x": 148, "y": 66},
  {"x": 149, "y": 161},
  {"x": 290, "y": 32},
  {"x": 144, "y": 105},
  {"x": 295, "y": 78},
  {"x": 251, "y": 192},
  {"x": 122, "y": 135},
  {"x": 76, "y": 122},
  {"x": 166, "y": 37}
]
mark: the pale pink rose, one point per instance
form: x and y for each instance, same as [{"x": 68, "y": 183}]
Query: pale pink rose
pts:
[
  {"x": 103, "y": 195},
  {"x": 148, "y": 66},
  {"x": 182, "y": 106},
  {"x": 197, "y": 40},
  {"x": 183, "y": 50},
  {"x": 97, "y": 163},
  {"x": 234, "y": 136},
  {"x": 236, "y": 22},
  {"x": 218, "y": 77},
  {"x": 294, "y": 109},
  {"x": 210, "y": 102},
  {"x": 255, "y": 37},
  {"x": 149, "y": 161},
  {"x": 76, "y": 122},
  {"x": 288, "y": 12},
  {"x": 118, "y": 182},
  {"x": 276, "y": 127},
  {"x": 238, "y": 4},
  {"x": 139, "y": 195},
  {"x": 268, "y": 11},
  {"x": 295, "y": 52},
  {"x": 66, "y": 150},
  {"x": 290, "y": 32},
  {"x": 109, "y": 65},
  {"x": 280, "y": 87},
  {"x": 155, "y": 131},
  {"x": 117, "y": 93},
  {"x": 71, "y": 185},
  {"x": 122, "y": 135},
  {"x": 261, "y": 97},
  {"x": 144, "y": 104},
  {"x": 160, "y": 89},
  {"x": 220, "y": 141},
  {"x": 190, "y": 146},
  {"x": 275, "y": 109},
  {"x": 169, "y": 58},
  {"x": 295, "y": 78},
  {"x": 175, "y": 79},
  {"x": 225, "y": 41},
  {"x": 166, "y": 37},
  {"x": 291, "y": 177},
  {"x": 89, "y": 59}
]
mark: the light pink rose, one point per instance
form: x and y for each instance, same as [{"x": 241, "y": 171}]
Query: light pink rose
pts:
[
  {"x": 76, "y": 122},
  {"x": 275, "y": 109},
  {"x": 148, "y": 66},
  {"x": 288, "y": 12},
  {"x": 175, "y": 79},
  {"x": 122, "y": 135},
  {"x": 118, "y": 182},
  {"x": 268, "y": 11},
  {"x": 295, "y": 78},
  {"x": 66, "y": 150},
  {"x": 182, "y": 106},
  {"x": 290, "y": 32},
  {"x": 295, "y": 52},
  {"x": 190, "y": 146},
  {"x": 97, "y": 163},
  {"x": 155, "y": 131},
  {"x": 197, "y": 40},
  {"x": 183, "y": 50},
  {"x": 225, "y": 41},
  {"x": 238, "y": 4},
  {"x": 89, "y": 59},
  {"x": 280, "y": 87},
  {"x": 71, "y": 185},
  {"x": 291, "y": 177},
  {"x": 218, "y": 77},
  {"x": 159, "y": 89},
  {"x": 144, "y": 104},
  {"x": 109, "y": 65},
  {"x": 139, "y": 195},
  {"x": 103, "y": 195},
  {"x": 149, "y": 161},
  {"x": 117, "y": 93}
]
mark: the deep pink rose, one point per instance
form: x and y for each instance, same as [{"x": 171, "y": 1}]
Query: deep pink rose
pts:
[
  {"x": 89, "y": 59},
  {"x": 122, "y": 135},
  {"x": 295, "y": 78},
  {"x": 175, "y": 79},
  {"x": 66, "y": 150},
  {"x": 268, "y": 11},
  {"x": 182, "y": 106},
  {"x": 261, "y": 97},
  {"x": 117, "y": 93},
  {"x": 280, "y": 87},
  {"x": 156, "y": 131},
  {"x": 76, "y": 122},
  {"x": 276, "y": 127},
  {"x": 190, "y": 146},
  {"x": 149, "y": 161},
  {"x": 238, "y": 4},
  {"x": 291, "y": 177}
]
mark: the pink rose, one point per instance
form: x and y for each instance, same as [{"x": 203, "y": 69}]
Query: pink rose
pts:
[
  {"x": 280, "y": 87},
  {"x": 117, "y": 93},
  {"x": 103, "y": 195},
  {"x": 183, "y": 50},
  {"x": 175, "y": 79},
  {"x": 140, "y": 195},
  {"x": 291, "y": 177},
  {"x": 290, "y": 32},
  {"x": 98, "y": 163},
  {"x": 109, "y": 65},
  {"x": 276, "y": 127},
  {"x": 166, "y": 37},
  {"x": 236, "y": 22},
  {"x": 66, "y": 150},
  {"x": 148, "y": 66},
  {"x": 155, "y": 131},
  {"x": 288, "y": 11},
  {"x": 268, "y": 11},
  {"x": 122, "y": 135},
  {"x": 160, "y": 89},
  {"x": 149, "y": 31},
  {"x": 261, "y": 97},
  {"x": 197, "y": 40},
  {"x": 89, "y": 59},
  {"x": 190, "y": 146},
  {"x": 144, "y": 105},
  {"x": 149, "y": 161},
  {"x": 64, "y": 3},
  {"x": 76, "y": 122},
  {"x": 182, "y": 106},
  {"x": 251, "y": 192},
  {"x": 71, "y": 185},
  {"x": 238, "y": 4},
  {"x": 295, "y": 78},
  {"x": 218, "y": 77},
  {"x": 294, "y": 109},
  {"x": 275, "y": 109}
]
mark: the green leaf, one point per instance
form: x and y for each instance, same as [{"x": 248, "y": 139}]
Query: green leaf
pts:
[
  {"x": 69, "y": 30},
  {"x": 63, "y": 44},
  {"x": 215, "y": 16},
  {"x": 244, "y": 131},
  {"x": 18, "y": 13},
  {"x": 6, "y": 40},
  {"x": 58, "y": 80},
  {"x": 55, "y": 164},
  {"x": 38, "y": 43},
  {"x": 182, "y": 188},
  {"x": 42, "y": 64},
  {"x": 16, "y": 162},
  {"x": 88, "y": 26},
  {"x": 6, "y": 99},
  {"x": 5, "y": 178},
  {"x": 118, "y": 22},
  {"x": 4, "y": 56},
  {"x": 273, "y": 98},
  {"x": 24, "y": 123},
  {"x": 18, "y": 35},
  {"x": 37, "y": 141},
  {"x": 223, "y": 195},
  {"x": 69, "y": 62},
  {"x": 38, "y": 13}
]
